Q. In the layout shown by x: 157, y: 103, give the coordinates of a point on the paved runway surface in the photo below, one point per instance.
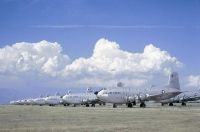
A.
x: 101, y: 118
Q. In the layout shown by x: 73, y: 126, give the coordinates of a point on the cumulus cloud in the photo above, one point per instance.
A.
x: 193, y: 81
x: 110, y: 63
x: 41, y: 57
x: 107, y: 65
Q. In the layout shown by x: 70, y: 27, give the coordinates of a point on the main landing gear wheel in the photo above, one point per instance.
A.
x: 162, y: 104
x: 171, y: 104
x: 134, y: 103
x: 87, y: 105
x: 142, y: 105
x: 114, y: 106
x: 93, y: 105
x: 183, y: 104
x: 129, y: 105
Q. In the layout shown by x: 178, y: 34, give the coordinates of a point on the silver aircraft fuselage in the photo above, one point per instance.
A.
x: 183, y: 97
x: 79, y: 98
x: 128, y: 95
x: 123, y: 95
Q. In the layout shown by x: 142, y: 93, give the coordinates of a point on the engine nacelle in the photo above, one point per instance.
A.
x: 131, y: 99
x: 143, y: 97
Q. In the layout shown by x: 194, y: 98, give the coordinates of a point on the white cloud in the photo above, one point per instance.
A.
x: 108, y: 58
x: 193, y: 81
x: 107, y: 65
x: 42, y: 57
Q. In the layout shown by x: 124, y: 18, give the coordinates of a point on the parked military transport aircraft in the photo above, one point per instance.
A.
x: 39, y: 101
x: 14, y: 102
x: 183, y: 98
x: 53, y: 100
x: 80, y: 98
x: 130, y: 96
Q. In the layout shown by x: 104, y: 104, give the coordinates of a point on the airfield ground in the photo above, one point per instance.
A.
x: 101, y: 118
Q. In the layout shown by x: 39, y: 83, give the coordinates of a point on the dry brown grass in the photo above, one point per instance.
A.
x: 62, y: 119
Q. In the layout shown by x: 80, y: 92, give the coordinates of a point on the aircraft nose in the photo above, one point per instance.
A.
x: 100, y: 93
x: 103, y: 96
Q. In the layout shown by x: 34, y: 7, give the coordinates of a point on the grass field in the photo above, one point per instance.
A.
x: 80, y: 119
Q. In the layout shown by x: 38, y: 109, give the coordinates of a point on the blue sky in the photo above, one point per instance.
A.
x: 171, y: 25
x: 176, y: 24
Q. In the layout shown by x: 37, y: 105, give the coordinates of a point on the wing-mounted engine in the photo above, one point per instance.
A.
x: 142, y: 97
x: 131, y: 99
x: 85, y: 101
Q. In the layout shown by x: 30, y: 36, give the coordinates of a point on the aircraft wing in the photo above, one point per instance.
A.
x: 162, y: 96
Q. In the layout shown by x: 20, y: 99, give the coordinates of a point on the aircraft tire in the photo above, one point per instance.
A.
x: 171, y: 104
x: 183, y: 104
x: 93, y: 105
x: 114, y: 106
x: 129, y: 105
x: 142, y: 105
x: 87, y: 105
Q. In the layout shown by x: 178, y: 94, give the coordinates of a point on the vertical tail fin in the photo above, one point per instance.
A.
x: 57, y: 94
x: 174, y: 80
x: 69, y: 92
